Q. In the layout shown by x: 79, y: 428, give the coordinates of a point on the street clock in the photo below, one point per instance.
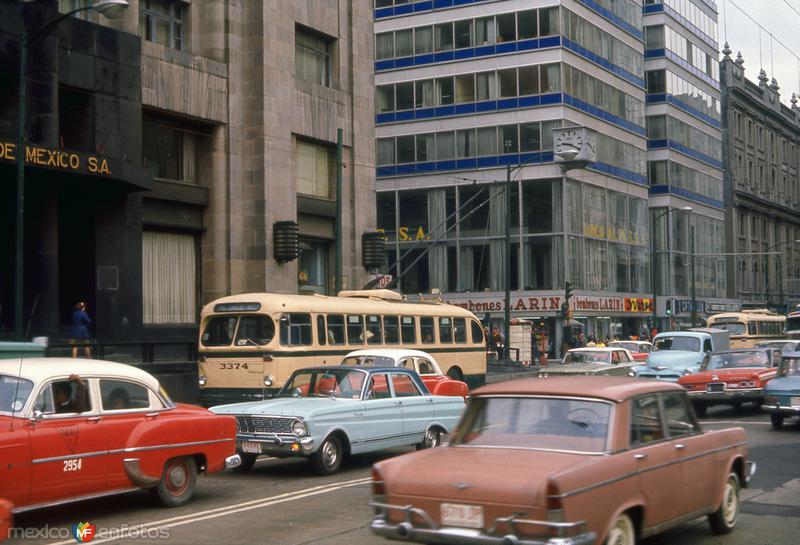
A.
x: 574, y: 147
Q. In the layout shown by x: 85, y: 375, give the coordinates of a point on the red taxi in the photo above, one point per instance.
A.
x: 731, y: 377
x: 100, y: 428
x: 639, y: 349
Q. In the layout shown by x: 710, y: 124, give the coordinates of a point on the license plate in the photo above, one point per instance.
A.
x: 794, y: 401
x: 716, y: 387
x: 465, y: 516
x: 251, y: 447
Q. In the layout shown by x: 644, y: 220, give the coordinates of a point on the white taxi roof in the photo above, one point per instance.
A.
x: 41, y: 369
x: 394, y: 353
x: 594, y: 349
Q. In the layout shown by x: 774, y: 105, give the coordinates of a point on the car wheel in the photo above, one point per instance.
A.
x: 622, y: 532
x: 724, y: 519
x: 328, y: 457
x: 776, y: 420
x: 248, y: 461
x: 700, y: 409
x: 178, y: 481
x: 433, y: 438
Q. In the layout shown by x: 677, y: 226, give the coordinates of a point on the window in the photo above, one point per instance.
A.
x: 312, y: 57
x: 64, y: 397
x: 548, y: 21
x: 161, y: 22
x: 443, y: 37
x: 384, y: 98
x: 425, y: 97
x: 384, y: 45
x: 169, y: 278
x: 526, y: 21
x: 426, y: 328
x: 679, y: 419
x: 313, y: 266
x: 168, y: 153
x: 355, y: 329
x: 509, y: 139
x: 408, y: 330
x: 403, y: 386
x: 378, y: 387
x: 336, y: 329
x: 465, y: 88
x: 405, y: 149
x: 65, y: 6
x: 529, y: 80
x: 321, y: 331
x: 75, y: 119
x: 460, y: 330
x: 118, y: 395
x: 374, y: 330
x: 445, y: 330
x: 295, y: 329
x: 385, y: 151
x: 508, y: 82
x: 391, y: 330
x: 646, y: 420
x: 404, y: 43
x: 530, y: 137
x: 404, y: 95
x: 423, y: 40
x: 506, y: 27
x: 477, y: 332
x: 255, y: 331
x: 316, y: 169
x: 656, y: 81
x: 463, y: 33
x: 219, y: 331
x: 444, y: 91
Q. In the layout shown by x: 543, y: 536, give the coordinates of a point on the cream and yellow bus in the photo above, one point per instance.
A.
x: 251, y: 343
x: 749, y: 326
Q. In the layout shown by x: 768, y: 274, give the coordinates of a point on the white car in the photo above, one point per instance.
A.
x: 593, y: 361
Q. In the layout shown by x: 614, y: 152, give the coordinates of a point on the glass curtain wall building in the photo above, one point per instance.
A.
x: 464, y: 89
x: 684, y: 159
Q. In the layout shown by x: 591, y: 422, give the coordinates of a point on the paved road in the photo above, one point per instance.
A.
x: 281, y: 503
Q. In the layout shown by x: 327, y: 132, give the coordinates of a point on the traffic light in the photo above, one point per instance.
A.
x: 669, y: 307
x: 567, y: 290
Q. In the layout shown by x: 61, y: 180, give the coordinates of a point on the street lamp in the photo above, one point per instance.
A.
x: 653, y: 260
x: 110, y: 9
x: 780, y: 275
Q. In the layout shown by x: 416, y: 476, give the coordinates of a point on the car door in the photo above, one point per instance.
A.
x: 695, y: 450
x: 417, y: 409
x: 382, y: 414
x: 69, y: 451
x: 655, y: 459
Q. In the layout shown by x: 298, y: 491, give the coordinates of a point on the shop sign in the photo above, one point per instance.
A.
x: 638, y: 304
x: 712, y: 307
x: 496, y: 304
x: 406, y: 233
x: 57, y: 159
x: 684, y: 306
x: 599, y: 304
x: 614, y: 235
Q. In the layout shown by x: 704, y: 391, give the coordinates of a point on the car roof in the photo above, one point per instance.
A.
x: 394, y: 353
x: 594, y: 349
x: 383, y: 369
x: 741, y: 351
x: 790, y: 355
x: 609, y: 388
x: 42, y: 369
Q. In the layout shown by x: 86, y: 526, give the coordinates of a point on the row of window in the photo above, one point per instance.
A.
x: 694, y: 14
x: 465, y: 88
x: 663, y: 126
x: 461, y: 144
x: 162, y: 22
x: 690, y: 179
x: 601, y: 43
x: 602, y: 95
x: 663, y: 81
x: 665, y: 37
x: 630, y: 11
x: 621, y: 154
x: 506, y: 27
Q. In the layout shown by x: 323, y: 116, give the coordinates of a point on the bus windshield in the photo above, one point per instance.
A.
x: 687, y: 344
x: 246, y: 330
x: 736, y: 328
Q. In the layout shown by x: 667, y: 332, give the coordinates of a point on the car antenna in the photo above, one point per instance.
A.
x: 16, y: 388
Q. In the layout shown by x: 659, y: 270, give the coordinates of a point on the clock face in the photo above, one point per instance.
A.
x: 571, y: 139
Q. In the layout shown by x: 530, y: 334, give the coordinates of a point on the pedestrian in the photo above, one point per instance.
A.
x: 581, y: 340
x: 592, y: 343
x: 499, y: 342
x: 79, y: 330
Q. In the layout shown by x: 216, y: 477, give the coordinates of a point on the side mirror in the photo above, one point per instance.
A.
x: 37, y: 415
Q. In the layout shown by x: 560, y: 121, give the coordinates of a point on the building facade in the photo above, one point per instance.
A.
x: 762, y: 190
x: 466, y: 89
x: 195, y: 127
x: 684, y: 159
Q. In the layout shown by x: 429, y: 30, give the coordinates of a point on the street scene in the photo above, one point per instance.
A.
x: 464, y: 272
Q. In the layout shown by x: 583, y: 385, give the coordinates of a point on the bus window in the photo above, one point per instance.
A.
x: 445, y: 330
x: 477, y: 332
x: 426, y: 329
x: 336, y: 329
x: 296, y: 329
x: 355, y: 329
x: 408, y: 330
x: 321, y: 332
x: 460, y: 326
x: 255, y: 331
x: 219, y: 331
x: 391, y: 330
x: 374, y: 330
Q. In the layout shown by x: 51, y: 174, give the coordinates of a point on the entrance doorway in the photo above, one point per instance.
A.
x: 76, y: 254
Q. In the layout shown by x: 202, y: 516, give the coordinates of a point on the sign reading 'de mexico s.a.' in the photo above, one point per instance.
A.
x: 56, y: 159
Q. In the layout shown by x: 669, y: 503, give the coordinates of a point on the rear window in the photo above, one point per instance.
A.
x: 687, y: 344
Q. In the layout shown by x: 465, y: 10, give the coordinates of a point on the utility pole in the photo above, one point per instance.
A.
x: 694, y: 287
x: 507, y: 325
x: 339, y: 168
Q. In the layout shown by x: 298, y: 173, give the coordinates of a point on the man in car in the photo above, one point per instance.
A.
x: 62, y: 396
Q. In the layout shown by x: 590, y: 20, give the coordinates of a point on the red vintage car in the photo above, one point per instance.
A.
x: 639, y: 349
x: 100, y: 428
x: 731, y: 377
x: 423, y: 363
x: 565, y: 461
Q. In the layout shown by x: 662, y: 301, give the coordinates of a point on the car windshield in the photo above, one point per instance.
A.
x: 633, y: 347
x: 790, y: 367
x: 736, y: 359
x: 545, y: 423
x: 687, y: 344
x: 587, y: 357
x: 736, y: 328
x: 369, y: 361
x: 14, y: 393
x: 329, y: 382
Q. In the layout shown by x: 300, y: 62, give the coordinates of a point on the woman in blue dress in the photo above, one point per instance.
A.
x: 79, y: 330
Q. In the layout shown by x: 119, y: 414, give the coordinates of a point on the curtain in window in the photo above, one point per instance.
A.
x: 467, y: 271
x: 404, y: 43
x: 314, y: 169
x: 385, y: 151
x: 497, y: 226
x: 486, y: 86
x: 487, y: 141
x: 311, y: 58
x: 384, y: 45
x: 169, y: 284
x: 485, y: 31
x: 445, y: 145
x: 425, y: 97
x: 437, y: 261
x: 189, y: 158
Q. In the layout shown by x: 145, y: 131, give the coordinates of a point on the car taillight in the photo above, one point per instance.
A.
x: 378, y: 486
x: 771, y: 400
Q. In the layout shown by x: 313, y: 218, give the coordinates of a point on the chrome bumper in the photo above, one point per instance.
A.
x: 726, y: 396
x: 779, y: 409
x: 429, y: 532
x: 233, y: 461
x: 749, y: 471
x: 278, y: 445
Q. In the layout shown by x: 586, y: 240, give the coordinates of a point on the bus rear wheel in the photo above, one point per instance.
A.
x: 455, y: 373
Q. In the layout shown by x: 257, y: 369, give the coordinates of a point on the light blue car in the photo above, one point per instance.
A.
x: 782, y: 394
x: 327, y: 413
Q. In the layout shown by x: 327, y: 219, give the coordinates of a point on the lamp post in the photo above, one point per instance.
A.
x: 780, y: 275
x: 111, y: 9
x: 694, y: 286
x: 653, y: 260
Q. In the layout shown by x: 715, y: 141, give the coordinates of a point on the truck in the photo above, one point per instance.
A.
x: 678, y: 353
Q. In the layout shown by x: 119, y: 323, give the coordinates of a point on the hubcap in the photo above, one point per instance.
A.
x: 621, y: 533
x: 431, y: 438
x: 329, y: 454
x: 177, y: 478
x: 730, y: 505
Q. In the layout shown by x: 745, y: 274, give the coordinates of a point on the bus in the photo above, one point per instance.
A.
x: 749, y: 326
x: 251, y: 343
x: 793, y: 324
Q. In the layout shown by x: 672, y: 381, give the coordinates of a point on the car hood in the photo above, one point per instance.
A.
x: 575, y: 368
x: 673, y: 359
x: 725, y: 375
x: 459, y: 474
x: 301, y: 407
x: 787, y: 385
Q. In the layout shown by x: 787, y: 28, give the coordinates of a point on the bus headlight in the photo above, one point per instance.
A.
x: 299, y: 428
x: 202, y: 380
x: 269, y: 380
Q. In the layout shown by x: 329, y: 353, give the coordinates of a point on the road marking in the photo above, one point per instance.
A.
x: 230, y: 509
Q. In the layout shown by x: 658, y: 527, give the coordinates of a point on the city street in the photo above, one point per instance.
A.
x: 281, y: 502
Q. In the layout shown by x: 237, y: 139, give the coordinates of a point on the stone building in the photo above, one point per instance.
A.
x: 216, y: 119
x: 762, y: 188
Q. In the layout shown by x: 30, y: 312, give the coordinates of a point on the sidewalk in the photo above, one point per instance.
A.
x: 496, y: 372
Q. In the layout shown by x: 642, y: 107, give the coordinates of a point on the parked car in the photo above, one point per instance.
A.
x: 423, y: 363
x: 732, y: 377
x: 327, y: 413
x: 569, y: 460
x: 592, y: 361
x: 78, y: 429
x: 639, y: 349
x: 784, y: 345
x: 678, y: 353
x: 782, y: 394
